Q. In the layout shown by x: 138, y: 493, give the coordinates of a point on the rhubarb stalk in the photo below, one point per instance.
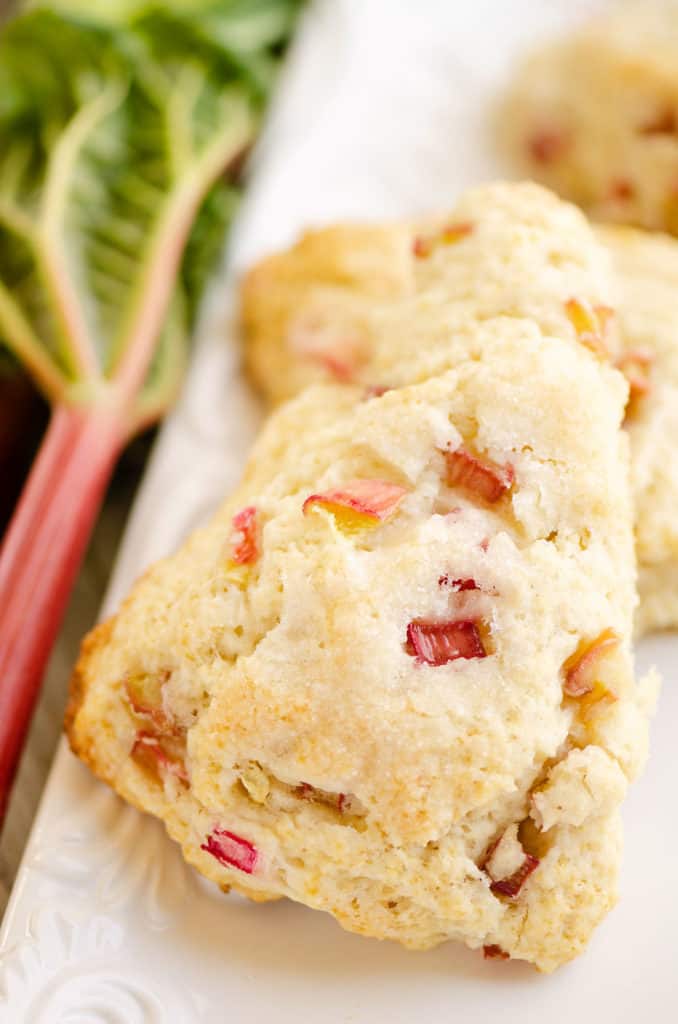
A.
x: 39, y: 560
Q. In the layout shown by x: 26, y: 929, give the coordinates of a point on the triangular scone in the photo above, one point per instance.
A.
x: 381, y: 305
x: 595, y: 115
x: 647, y: 268
x: 392, y: 679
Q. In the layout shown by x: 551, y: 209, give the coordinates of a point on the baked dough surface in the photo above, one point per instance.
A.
x: 384, y: 305
x: 372, y: 710
x: 646, y: 265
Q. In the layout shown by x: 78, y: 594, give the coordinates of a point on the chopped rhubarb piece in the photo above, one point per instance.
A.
x: 154, y: 714
x: 145, y: 697
x: 621, y: 189
x: 590, y: 324
x: 359, y: 504
x: 452, y: 233
x: 341, y: 369
x: 422, y: 247
x: 581, y: 668
x: 580, y: 317
x: 457, y: 585
x: 507, y: 864
x: 635, y: 365
x: 495, y: 952
x: 482, y: 477
x: 511, y: 886
x: 345, y: 803
x: 231, y: 850
x: 597, y: 695
x: 437, y: 643
x: 545, y: 146
x: 375, y: 391
x: 246, y: 544
x: 149, y: 752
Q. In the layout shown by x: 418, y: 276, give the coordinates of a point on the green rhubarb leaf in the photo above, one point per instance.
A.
x: 206, y: 243
x: 120, y: 149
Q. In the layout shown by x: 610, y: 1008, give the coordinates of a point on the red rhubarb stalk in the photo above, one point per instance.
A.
x: 40, y: 557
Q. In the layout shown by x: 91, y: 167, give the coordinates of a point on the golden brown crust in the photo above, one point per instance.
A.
x: 96, y: 639
x: 343, y: 268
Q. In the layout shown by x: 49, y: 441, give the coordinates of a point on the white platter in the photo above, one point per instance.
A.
x: 382, y: 112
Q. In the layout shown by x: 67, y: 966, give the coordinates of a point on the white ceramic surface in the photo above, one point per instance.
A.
x: 383, y: 111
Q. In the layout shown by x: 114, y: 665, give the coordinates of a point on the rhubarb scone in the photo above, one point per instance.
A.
x: 647, y: 267
x: 380, y: 305
x: 595, y: 116
x: 388, y: 305
x: 392, y: 679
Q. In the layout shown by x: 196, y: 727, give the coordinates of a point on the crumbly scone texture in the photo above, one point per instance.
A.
x: 279, y: 717
x: 383, y: 305
x: 595, y: 116
x: 646, y: 265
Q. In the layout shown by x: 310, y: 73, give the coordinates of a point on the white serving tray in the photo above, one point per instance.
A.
x: 382, y: 112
